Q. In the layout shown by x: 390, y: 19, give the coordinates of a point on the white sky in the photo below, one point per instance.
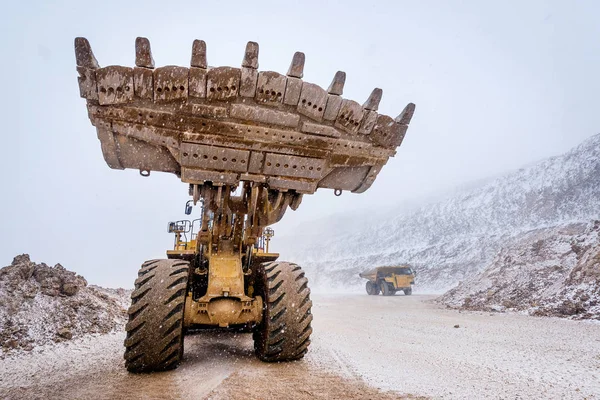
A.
x: 497, y: 85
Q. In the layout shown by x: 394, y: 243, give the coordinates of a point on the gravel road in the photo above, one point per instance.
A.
x: 363, y: 347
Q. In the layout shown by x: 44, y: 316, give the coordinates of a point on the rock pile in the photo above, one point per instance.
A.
x: 40, y: 304
x: 547, y: 272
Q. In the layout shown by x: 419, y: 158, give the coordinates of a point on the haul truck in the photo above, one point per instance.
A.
x: 389, y: 280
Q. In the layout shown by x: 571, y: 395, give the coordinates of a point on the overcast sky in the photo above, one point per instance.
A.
x: 497, y: 85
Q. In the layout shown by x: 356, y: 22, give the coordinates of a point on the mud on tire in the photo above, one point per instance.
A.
x: 284, y: 333
x: 155, y: 329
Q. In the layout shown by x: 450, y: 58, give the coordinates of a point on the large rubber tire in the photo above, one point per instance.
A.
x: 284, y: 332
x: 376, y: 289
x: 407, y: 291
x: 370, y: 289
x: 155, y: 329
x: 385, y: 289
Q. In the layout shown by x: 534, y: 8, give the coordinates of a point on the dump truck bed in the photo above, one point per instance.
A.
x: 373, y: 274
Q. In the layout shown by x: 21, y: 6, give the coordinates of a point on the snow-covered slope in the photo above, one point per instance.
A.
x: 454, y: 238
x: 550, y: 271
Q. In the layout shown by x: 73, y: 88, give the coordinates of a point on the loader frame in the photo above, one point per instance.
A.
x: 230, y: 228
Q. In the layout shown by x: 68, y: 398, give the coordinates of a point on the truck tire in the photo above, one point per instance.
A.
x: 370, y: 288
x: 376, y: 289
x: 385, y: 289
x: 407, y: 291
x: 155, y: 329
x: 284, y: 332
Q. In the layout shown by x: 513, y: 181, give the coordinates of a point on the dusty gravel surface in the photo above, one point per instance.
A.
x: 363, y: 347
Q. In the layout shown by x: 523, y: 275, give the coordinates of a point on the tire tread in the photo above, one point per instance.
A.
x: 284, y: 334
x: 155, y: 329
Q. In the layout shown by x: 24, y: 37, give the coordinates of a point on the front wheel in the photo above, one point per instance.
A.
x: 284, y: 332
x: 407, y: 291
x: 155, y: 329
x: 386, y: 290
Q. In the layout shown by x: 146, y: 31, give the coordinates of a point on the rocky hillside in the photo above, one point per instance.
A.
x: 551, y: 271
x: 40, y: 304
x: 452, y: 239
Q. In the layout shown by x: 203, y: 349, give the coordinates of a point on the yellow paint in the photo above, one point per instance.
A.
x: 400, y: 281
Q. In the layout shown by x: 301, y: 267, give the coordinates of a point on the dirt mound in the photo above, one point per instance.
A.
x: 552, y: 272
x: 40, y: 304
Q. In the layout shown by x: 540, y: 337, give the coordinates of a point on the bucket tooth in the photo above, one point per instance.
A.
x: 296, y: 69
x: 337, y: 85
x: 84, y: 55
x: 143, y: 54
x: 199, y: 54
x: 198, y: 72
x: 372, y: 102
x: 406, y: 114
x: 249, y: 73
x: 251, y: 56
x: 86, y: 67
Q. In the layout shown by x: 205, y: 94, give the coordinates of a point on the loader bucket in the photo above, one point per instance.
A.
x: 224, y: 125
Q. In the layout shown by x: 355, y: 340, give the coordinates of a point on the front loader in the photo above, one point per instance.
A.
x: 249, y: 145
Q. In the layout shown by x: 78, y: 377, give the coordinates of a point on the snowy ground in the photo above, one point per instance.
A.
x: 410, y: 345
x: 363, y: 347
